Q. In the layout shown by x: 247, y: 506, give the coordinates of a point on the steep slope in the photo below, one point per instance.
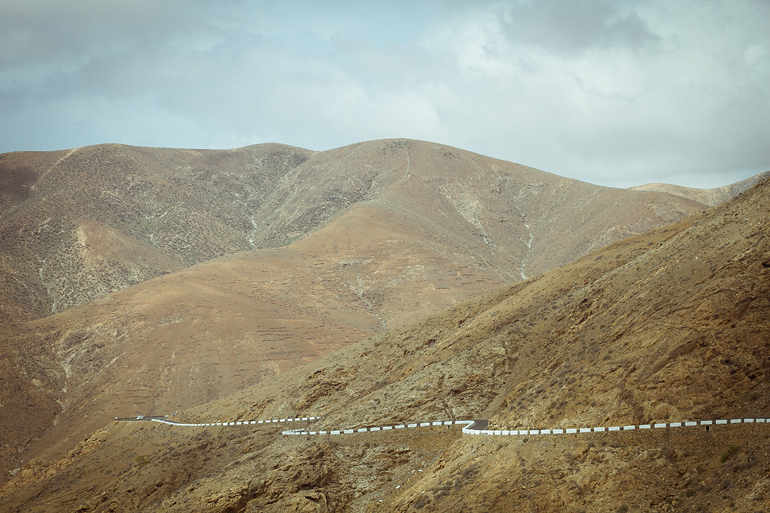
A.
x: 517, y: 220
x: 671, y: 325
x: 78, y: 224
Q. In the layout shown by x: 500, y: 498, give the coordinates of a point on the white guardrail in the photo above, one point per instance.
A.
x: 470, y: 426
x: 568, y: 431
x: 234, y: 423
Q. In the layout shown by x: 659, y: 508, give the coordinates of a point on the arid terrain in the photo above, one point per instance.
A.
x: 78, y: 224
x: 179, y: 276
x: 414, y: 282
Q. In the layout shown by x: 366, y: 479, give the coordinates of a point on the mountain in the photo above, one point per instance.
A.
x: 710, y: 197
x: 670, y: 325
x: 78, y: 224
x: 136, y: 252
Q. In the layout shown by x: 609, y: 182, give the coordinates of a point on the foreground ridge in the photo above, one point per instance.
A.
x: 472, y: 427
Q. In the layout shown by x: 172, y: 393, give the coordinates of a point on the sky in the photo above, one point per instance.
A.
x: 617, y: 92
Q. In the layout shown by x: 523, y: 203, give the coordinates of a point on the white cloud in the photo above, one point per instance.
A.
x: 668, y: 99
x: 608, y: 92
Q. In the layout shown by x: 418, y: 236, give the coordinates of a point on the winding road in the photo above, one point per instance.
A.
x: 472, y: 427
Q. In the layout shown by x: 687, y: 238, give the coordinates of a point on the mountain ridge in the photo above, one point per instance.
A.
x: 173, y: 208
x: 710, y: 197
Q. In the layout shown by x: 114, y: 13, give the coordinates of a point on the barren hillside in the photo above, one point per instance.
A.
x: 78, y: 224
x: 121, y: 242
x: 671, y: 325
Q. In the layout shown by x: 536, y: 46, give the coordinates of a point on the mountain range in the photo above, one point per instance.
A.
x: 380, y: 282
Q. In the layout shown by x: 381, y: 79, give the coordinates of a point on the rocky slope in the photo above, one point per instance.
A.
x: 670, y: 325
x: 354, y: 240
x: 78, y: 224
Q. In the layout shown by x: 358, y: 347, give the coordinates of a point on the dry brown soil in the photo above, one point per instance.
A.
x: 671, y: 325
x: 180, y: 276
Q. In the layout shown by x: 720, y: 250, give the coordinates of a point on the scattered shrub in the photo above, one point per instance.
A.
x: 730, y: 453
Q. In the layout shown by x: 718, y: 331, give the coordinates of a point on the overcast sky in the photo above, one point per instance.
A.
x: 616, y: 93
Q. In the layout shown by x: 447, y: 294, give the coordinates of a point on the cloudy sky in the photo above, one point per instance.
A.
x: 616, y: 93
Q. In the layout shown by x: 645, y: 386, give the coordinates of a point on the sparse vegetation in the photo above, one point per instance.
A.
x: 730, y: 453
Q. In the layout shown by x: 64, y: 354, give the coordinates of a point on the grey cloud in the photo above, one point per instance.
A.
x: 569, y: 26
x: 57, y: 29
x: 571, y: 88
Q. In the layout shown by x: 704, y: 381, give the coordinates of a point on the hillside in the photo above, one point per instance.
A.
x: 670, y: 325
x: 710, y: 197
x: 78, y: 224
x: 339, y: 245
